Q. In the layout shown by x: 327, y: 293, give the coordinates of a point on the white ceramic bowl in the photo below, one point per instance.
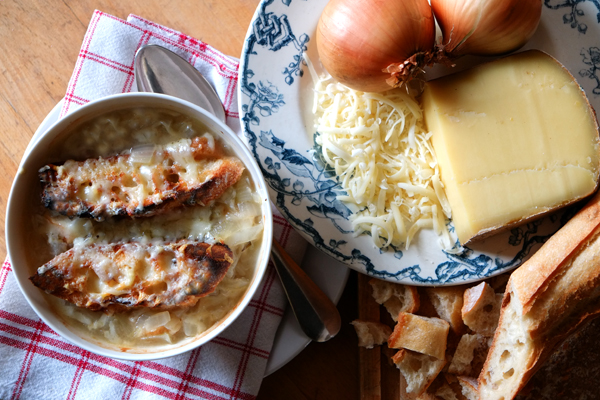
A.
x: 27, y: 179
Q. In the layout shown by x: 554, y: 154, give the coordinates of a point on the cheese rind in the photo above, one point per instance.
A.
x: 514, y: 138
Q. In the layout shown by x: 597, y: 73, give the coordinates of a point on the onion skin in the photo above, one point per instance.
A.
x: 485, y: 27
x: 358, y: 39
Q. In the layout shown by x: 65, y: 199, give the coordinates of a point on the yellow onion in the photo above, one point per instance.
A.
x: 369, y: 45
x: 485, y: 27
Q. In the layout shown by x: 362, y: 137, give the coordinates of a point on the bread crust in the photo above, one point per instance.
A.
x: 469, y: 387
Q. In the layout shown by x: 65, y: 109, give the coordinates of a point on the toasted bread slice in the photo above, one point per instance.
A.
x: 187, y: 172
x: 123, y: 276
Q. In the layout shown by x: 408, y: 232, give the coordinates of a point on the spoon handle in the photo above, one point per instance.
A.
x: 316, y: 313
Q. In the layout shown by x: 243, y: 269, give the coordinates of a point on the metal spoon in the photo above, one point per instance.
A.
x: 159, y: 70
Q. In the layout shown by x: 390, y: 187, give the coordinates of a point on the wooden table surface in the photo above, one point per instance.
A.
x: 39, y: 43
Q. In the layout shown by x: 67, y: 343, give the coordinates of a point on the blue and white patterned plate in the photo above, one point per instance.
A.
x: 275, y: 110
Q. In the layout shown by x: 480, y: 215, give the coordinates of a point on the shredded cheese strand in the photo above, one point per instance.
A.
x: 384, y: 161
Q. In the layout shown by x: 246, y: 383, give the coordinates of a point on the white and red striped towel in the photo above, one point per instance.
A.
x: 38, y: 364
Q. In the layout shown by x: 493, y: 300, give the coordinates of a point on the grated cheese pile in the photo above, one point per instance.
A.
x: 384, y: 161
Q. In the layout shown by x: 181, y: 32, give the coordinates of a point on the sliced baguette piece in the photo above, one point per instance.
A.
x: 421, y: 334
x: 481, y: 309
x: 371, y: 333
x: 448, y: 302
x: 546, y: 299
x: 419, y: 370
x: 395, y: 297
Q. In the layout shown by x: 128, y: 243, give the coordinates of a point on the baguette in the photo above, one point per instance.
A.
x: 445, y: 392
x: 546, y: 299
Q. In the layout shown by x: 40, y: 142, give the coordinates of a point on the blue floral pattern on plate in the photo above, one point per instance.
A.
x: 275, y: 109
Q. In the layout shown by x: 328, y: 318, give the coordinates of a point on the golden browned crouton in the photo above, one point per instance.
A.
x: 187, y: 172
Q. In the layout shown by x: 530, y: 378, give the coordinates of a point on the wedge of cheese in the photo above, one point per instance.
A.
x: 515, y: 138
